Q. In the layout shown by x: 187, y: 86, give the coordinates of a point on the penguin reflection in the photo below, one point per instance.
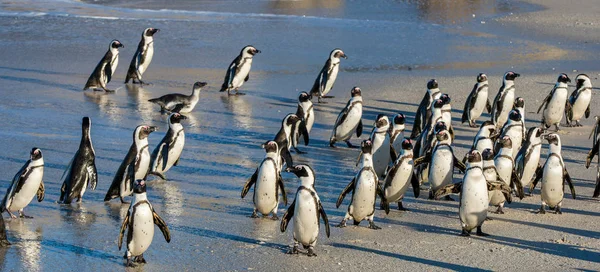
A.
x: 30, y: 243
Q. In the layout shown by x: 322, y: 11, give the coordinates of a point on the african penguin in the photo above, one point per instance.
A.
x: 326, y: 78
x: 105, y: 69
x: 554, y: 103
x: 179, y: 103
x: 3, y: 241
x: 579, y: 101
x: 142, y: 57
x: 382, y: 151
x: 504, y: 100
x: 26, y: 184
x: 349, y: 120
x: 239, y: 70
x: 520, y: 107
x: 399, y: 176
x: 484, y: 138
x: 513, y: 129
x: 489, y: 167
x: 81, y: 171
x: 168, y: 151
x: 397, y: 131
x: 592, y: 153
x: 504, y: 164
x: 305, y: 110
x: 424, y: 110
x: 292, y: 127
x: 447, y: 113
x: 527, y: 162
x: 477, y: 101
x: 299, y: 131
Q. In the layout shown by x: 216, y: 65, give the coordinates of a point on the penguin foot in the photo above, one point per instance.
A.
x: 123, y: 201
x: 328, y: 96
x: 356, y: 223
x: 542, y: 210
x: 294, y: 250
x: 298, y: 151
x: 311, y: 252
x: 25, y: 216
x: 139, y: 259
x: 163, y: 177
x: 448, y: 198
x: 4, y: 243
x: 465, y: 233
x: 373, y: 226
x: 332, y: 144
x: 577, y: 124
x: 481, y: 233
x: 430, y: 195
x: 11, y: 215
x: 130, y: 263
x: 557, y: 210
x: 401, y: 208
x: 274, y: 217
x: 473, y: 125
x: 557, y: 129
x: 239, y: 93
x: 109, y: 90
x: 350, y: 145
x: 254, y: 215
x: 320, y: 100
x: 342, y: 224
x: 499, y: 210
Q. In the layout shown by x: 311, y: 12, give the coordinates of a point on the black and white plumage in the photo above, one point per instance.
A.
x: 105, y: 69
x: 424, y: 111
x: 142, y: 57
x: 397, y: 131
x: 400, y: 176
x: 3, y: 240
x: 25, y: 185
x: 484, y: 139
x: 592, y: 153
x: 527, y: 162
x: 326, y: 78
x: 305, y: 110
x: 520, y: 107
x: 292, y: 127
x: 505, y: 168
x: 180, y: 103
x: 238, y: 71
x: 135, y: 165
x: 81, y: 171
x: 504, y: 100
x: 477, y: 101
x: 555, y: 103
x: 383, y: 152
x: 579, y: 101
x: 514, y: 130
x: 168, y: 151
x: 349, y: 120
x: 139, y: 222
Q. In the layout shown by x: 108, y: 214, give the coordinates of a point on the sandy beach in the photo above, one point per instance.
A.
x: 51, y: 47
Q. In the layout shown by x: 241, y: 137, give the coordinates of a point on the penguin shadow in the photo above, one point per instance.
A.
x: 77, y: 214
x: 45, y: 83
x: 116, y: 211
x: 214, y: 234
x: 59, y: 248
x: 28, y: 243
x: 573, y: 231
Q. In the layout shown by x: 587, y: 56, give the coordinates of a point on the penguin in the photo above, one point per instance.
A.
x: 299, y: 131
x: 592, y: 153
x: 513, y: 129
x: 287, y: 137
x: 424, y: 111
x: 349, y: 120
x: 520, y: 107
x: 305, y: 110
x: 81, y: 171
x: 306, y: 210
x: 490, y: 173
x: 267, y: 183
x: 326, y: 78
x: 477, y: 101
x: 26, y: 184
x: 382, y: 151
x: 473, y: 191
x: 441, y: 162
x: 399, y: 176
x: 142, y: 57
x: 484, y: 139
x: 180, y: 103
x: 579, y: 101
x: 553, y: 176
x: 426, y: 147
x: 527, y: 163
x: 139, y: 222
x: 425, y: 139
x: 397, y: 131
x: 505, y: 169
x: 239, y: 70
x: 135, y: 165
x: 554, y: 103
x: 504, y: 100
x: 365, y: 188
x: 168, y: 151
x: 3, y: 240
x: 447, y: 113
x: 105, y: 69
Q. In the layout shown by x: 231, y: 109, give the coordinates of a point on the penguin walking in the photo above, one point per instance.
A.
x: 142, y: 57
x: 299, y: 131
x: 267, y: 183
x: 527, y: 163
x: 168, y: 151
x: 305, y: 110
x: 26, y: 184
x: 426, y: 138
x: 239, y: 70
x: 504, y: 164
x: 179, y: 103
x: 306, y: 210
x: 105, y: 69
x: 484, y: 139
x: 553, y: 176
x: 397, y: 131
x: 473, y: 191
x: 514, y: 130
x: 135, y: 165
x: 424, y: 111
x: 287, y: 137
x: 447, y: 113
x: 399, y: 176
x: 425, y: 146
x: 139, y: 222
x: 490, y: 173
x: 554, y: 104
x: 81, y: 171
x: 504, y: 100
x: 592, y: 153
x: 477, y: 101
x: 520, y: 107
x: 383, y: 152
x: 365, y: 188
x: 326, y: 78
x: 579, y: 101
x: 349, y: 120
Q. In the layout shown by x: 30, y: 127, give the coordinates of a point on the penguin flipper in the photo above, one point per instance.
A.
x: 41, y: 192
x: 285, y: 153
x: 359, y: 128
x: 349, y: 188
x: 164, y: 155
x: 454, y: 188
x: 384, y: 203
x: 422, y: 160
x: 393, y: 153
x: 458, y: 164
x: 414, y: 182
x: 282, y: 188
x: 468, y: 104
x: 587, y: 111
x: 515, y: 182
x: 160, y: 223
x: 501, y: 186
x: 569, y: 181
x: 287, y: 216
x: 488, y: 106
x: 249, y: 183
x: 591, y: 154
x: 123, y: 227
x: 247, y: 77
x: 229, y: 75
x: 304, y: 132
x: 538, y: 175
x: 548, y: 97
x: 92, y: 173
x: 596, y: 189
x: 324, y: 216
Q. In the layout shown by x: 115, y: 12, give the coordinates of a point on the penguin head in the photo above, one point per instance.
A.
x: 439, y: 126
x: 505, y: 142
x: 139, y: 187
x: 553, y: 139
x: 291, y: 119
x: 407, y: 145
x: 438, y: 103
x: 481, y: 78
x: 519, y: 102
x: 514, y: 115
x: 510, y: 75
x: 304, y: 171
x: 366, y: 146
x: 432, y: 84
x: 86, y: 123
x: 488, y: 154
x: 175, y: 118
x: 249, y: 51
x: 399, y: 119
x: 474, y: 156
x: 337, y: 53
x: 142, y: 132
x: 488, y: 125
x: 583, y: 80
x: 115, y: 44
x: 442, y: 135
x: 149, y: 32
x: 304, y: 96
x: 563, y: 78
x: 35, y: 154
x: 355, y: 92
x: 199, y: 85
x: 382, y: 121
x: 270, y: 147
x: 445, y: 98
x: 534, y: 133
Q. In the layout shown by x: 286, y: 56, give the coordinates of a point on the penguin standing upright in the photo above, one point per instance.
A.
x: 142, y: 57
x: 490, y: 173
x: 397, y: 131
x: 349, y: 120
x: 592, y: 153
x: 26, y: 184
x: 555, y: 103
x: 168, y: 151
x: 105, y: 69
x: 503, y: 103
x: 477, y: 101
x: 326, y: 78
x: 180, y: 103
x: 484, y: 138
x: 135, y: 165
x: 447, y: 113
x: 81, y: 171
x: 239, y: 70
x: 382, y: 150
x: 579, y: 101
x: 365, y: 188
x: 553, y: 176
x: 520, y: 107
x: 426, y: 138
x: 514, y: 130
x: 528, y: 158
x: 504, y: 164
x: 305, y: 110
x: 299, y: 131
x: 292, y: 127
x: 399, y: 176
x: 139, y: 222
x: 424, y: 111
x: 267, y: 183
x: 306, y: 210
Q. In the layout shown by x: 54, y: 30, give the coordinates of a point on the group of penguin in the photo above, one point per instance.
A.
x: 503, y: 159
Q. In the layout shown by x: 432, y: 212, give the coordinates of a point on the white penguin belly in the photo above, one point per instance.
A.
x: 310, y: 120
x: 238, y: 79
x: 556, y: 107
x: 381, y: 153
x: 345, y: 130
x: 21, y: 199
x: 479, y: 106
x: 581, y: 104
x: 143, y: 230
x: 306, y: 218
x: 396, y: 190
x: 441, y: 167
x: 484, y: 144
x: 144, y: 165
x: 397, y: 144
x: 474, y: 200
x: 189, y: 107
x: 331, y: 79
x: 174, y: 153
x: 504, y: 170
x: 363, y: 200
x: 509, y: 100
x: 552, y: 182
x: 530, y: 166
x: 516, y: 136
x: 114, y: 64
x: 265, y: 189
x: 149, y: 54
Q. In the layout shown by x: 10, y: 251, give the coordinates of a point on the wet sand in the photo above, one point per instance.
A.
x: 47, y: 58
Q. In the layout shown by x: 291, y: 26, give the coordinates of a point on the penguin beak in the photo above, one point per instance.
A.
x: 517, y: 75
x: 152, y: 128
x: 256, y: 51
x: 344, y: 56
x: 182, y: 117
